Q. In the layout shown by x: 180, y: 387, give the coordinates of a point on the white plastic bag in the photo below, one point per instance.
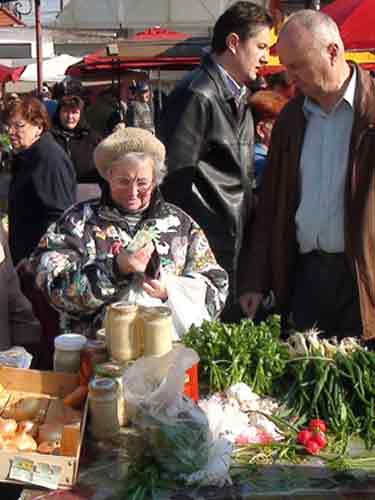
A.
x: 16, y: 357
x: 187, y: 301
x: 176, y: 428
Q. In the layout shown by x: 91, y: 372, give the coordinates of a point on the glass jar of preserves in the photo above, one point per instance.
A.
x: 103, y: 408
x: 157, y: 332
x: 122, y: 329
x: 67, y: 355
x: 115, y: 372
x: 94, y: 353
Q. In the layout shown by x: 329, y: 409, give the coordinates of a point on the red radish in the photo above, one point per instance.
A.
x: 312, y: 447
x: 317, y: 424
x: 304, y: 436
x: 320, y: 439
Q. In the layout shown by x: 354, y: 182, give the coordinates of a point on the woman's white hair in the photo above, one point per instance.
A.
x: 158, y: 166
x: 322, y: 28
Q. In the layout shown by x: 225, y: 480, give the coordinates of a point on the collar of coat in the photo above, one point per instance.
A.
x: 218, y: 77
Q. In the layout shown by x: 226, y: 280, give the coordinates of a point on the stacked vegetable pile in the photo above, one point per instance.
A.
x: 313, y: 377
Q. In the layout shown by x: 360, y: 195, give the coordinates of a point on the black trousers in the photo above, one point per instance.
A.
x: 325, y: 295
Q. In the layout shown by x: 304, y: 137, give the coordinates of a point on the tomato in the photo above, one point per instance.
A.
x: 317, y: 425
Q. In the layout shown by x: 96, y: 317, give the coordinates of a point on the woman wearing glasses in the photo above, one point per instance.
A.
x: 123, y: 246
x: 43, y: 183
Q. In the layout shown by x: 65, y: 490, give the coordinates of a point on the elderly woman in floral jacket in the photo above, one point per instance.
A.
x: 125, y: 246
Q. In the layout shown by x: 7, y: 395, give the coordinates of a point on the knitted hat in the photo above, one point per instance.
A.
x: 126, y: 140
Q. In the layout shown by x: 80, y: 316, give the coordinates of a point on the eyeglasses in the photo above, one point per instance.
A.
x: 15, y: 126
x: 142, y: 185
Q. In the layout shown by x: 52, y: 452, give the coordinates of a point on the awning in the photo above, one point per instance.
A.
x: 9, y: 74
x: 53, y: 69
x: 356, y: 21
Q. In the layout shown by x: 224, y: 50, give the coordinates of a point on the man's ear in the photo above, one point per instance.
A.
x: 333, y: 51
x: 232, y: 41
x: 259, y: 129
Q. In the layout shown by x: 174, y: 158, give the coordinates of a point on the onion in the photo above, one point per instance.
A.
x: 8, y: 427
x: 48, y: 447
x: 26, y: 409
x: 23, y: 442
x: 50, y: 432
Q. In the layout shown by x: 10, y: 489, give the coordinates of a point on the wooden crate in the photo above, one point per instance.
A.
x: 51, y: 387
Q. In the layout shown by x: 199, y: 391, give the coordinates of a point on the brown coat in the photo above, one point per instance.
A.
x: 18, y: 325
x: 268, y: 255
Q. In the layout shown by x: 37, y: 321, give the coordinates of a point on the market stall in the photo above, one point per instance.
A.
x: 294, y: 419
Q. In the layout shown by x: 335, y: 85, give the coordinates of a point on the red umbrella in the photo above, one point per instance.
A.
x: 156, y: 34
x: 8, y: 74
x: 356, y: 21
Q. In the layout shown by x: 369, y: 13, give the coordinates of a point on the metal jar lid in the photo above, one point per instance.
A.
x: 102, y: 387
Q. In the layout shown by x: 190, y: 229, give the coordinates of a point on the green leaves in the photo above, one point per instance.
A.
x: 244, y: 352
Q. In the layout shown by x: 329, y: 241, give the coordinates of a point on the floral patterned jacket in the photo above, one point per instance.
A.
x: 75, y: 261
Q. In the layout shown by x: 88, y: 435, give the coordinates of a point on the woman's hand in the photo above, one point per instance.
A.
x: 135, y: 262
x: 155, y: 288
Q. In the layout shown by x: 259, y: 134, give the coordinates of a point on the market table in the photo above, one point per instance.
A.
x: 103, y: 463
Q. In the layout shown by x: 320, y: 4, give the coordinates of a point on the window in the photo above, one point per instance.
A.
x: 15, y: 50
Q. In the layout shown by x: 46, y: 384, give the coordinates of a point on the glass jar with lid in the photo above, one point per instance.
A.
x: 94, y: 353
x: 115, y: 372
x: 103, y: 408
x: 122, y: 332
x: 67, y: 355
x: 157, y: 333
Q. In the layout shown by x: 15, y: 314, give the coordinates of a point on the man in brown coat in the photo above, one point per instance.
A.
x: 313, y: 239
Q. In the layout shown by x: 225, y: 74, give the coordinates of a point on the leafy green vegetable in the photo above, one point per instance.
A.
x: 244, y: 352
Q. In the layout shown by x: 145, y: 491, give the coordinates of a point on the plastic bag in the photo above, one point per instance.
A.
x: 187, y: 300
x: 176, y: 428
x: 16, y: 357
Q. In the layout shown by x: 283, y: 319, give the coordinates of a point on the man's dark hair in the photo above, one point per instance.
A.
x: 245, y: 19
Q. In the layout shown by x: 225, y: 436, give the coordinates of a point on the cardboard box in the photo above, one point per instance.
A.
x: 51, y: 471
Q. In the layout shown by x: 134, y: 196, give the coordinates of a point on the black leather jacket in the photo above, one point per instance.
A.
x: 209, y: 141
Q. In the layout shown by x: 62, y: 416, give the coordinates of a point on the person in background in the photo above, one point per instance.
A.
x: 100, y: 114
x: 43, y: 183
x: 140, y: 110
x: 89, y: 258
x: 46, y: 98
x: 18, y: 325
x: 313, y: 237
x: 118, y: 115
x: 207, y: 128
x: 278, y: 82
x: 73, y: 133
x: 265, y: 106
x: 259, y: 84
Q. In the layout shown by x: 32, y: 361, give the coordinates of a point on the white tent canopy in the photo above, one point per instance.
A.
x: 180, y: 15
x: 53, y: 69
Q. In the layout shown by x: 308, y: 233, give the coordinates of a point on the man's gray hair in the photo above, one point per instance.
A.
x: 159, y: 167
x: 320, y: 26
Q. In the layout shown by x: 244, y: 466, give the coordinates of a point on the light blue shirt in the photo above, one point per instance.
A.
x: 323, y: 167
x: 237, y: 90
